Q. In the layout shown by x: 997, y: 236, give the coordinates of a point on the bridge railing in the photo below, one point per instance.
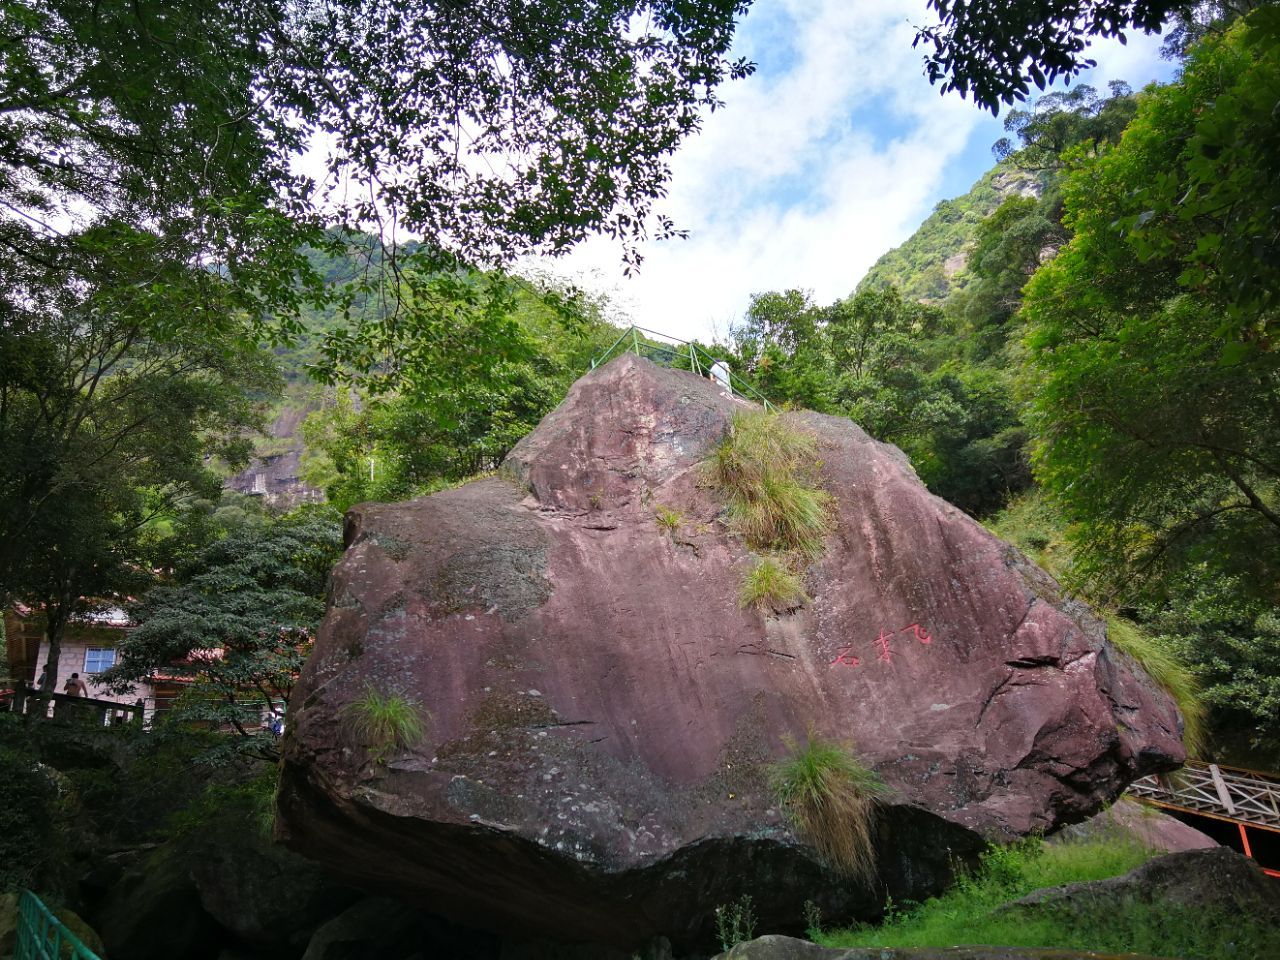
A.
x: 42, y: 936
x: 44, y: 704
x: 1228, y: 793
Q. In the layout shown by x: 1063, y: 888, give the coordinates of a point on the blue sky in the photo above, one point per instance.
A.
x: 831, y: 154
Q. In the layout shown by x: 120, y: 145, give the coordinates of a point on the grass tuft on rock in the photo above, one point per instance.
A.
x: 771, y: 586
x: 1166, y: 669
x: 668, y: 519
x: 383, y: 722
x: 770, y: 471
x: 831, y: 798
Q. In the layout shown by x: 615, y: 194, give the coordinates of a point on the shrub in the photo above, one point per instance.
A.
x: 831, y: 799
x: 383, y: 722
x: 28, y: 821
x: 769, y: 470
x: 771, y: 585
x: 1164, y: 667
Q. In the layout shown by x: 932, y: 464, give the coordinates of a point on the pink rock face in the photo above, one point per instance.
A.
x: 601, y: 714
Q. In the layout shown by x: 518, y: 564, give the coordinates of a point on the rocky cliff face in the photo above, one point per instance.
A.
x: 600, y: 713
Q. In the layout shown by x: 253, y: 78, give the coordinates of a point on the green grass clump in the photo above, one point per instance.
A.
x: 667, y: 518
x: 831, y: 798
x: 770, y: 472
x: 1167, y: 670
x: 383, y: 722
x: 969, y: 913
x: 771, y: 585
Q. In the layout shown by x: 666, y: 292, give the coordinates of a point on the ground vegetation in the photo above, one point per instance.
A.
x: 975, y: 911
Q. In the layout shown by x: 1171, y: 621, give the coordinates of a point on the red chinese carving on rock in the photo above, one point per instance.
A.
x: 882, y: 644
x: 846, y: 658
x: 921, y: 633
x: 884, y: 651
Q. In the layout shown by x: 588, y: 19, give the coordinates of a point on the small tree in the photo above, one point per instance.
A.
x: 236, y: 625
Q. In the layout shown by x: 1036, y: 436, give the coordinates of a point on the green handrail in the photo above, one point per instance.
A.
x: 697, y: 357
x: 42, y: 936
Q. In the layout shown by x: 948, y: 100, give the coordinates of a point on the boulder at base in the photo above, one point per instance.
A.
x: 787, y: 948
x: 600, y: 712
x: 1211, y: 883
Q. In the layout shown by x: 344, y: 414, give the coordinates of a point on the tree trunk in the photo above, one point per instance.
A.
x: 55, y: 623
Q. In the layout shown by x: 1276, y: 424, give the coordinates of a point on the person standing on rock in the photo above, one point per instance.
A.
x: 720, y: 376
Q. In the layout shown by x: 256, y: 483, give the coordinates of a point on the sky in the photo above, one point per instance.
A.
x: 832, y: 153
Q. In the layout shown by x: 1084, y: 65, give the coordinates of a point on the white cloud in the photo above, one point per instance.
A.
x: 831, y: 154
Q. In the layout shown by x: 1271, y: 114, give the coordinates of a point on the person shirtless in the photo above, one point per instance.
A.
x: 75, y: 687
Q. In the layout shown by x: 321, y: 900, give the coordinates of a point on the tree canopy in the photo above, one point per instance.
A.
x: 996, y: 49
x: 1154, y: 383
x: 160, y: 217
x: 488, y: 128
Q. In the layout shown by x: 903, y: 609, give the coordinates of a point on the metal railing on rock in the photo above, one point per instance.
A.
x: 42, y: 936
x: 674, y: 352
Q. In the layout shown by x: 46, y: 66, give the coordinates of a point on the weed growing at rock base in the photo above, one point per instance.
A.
x: 1164, y: 667
x: 812, y: 920
x: 771, y: 586
x: 383, y: 722
x: 769, y: 470
x: 969, y: 913
x: 831, y: 798
x: 736, y: 922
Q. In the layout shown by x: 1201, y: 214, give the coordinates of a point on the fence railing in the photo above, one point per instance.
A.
x: 673, y: 351
x: 42, y: 936
x: 47, y: 705
x: 1227, y: 793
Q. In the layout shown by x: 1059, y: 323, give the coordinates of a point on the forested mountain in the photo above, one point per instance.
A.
x: 930, y: 264
x: 475, y: 361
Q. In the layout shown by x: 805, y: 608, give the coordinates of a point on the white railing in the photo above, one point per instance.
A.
x: 1229, y: 793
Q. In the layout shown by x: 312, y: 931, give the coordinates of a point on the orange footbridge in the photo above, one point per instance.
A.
x: 1249, y: 799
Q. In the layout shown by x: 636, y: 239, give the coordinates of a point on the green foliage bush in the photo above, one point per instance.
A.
x: 28, y: 802
x: 771, y: 585
x: 831, y: 798
x: 769, y: 468
x: 244, y: 801
x: 383, y: 722
x: 968, y: 914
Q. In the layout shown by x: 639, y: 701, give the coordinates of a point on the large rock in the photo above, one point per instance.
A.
x: 1213, y: 883
x: 263, y: 895
x: 601, y: 713
x: 1129, y: 821
x: 8, y: 923
x: 154, y: 913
